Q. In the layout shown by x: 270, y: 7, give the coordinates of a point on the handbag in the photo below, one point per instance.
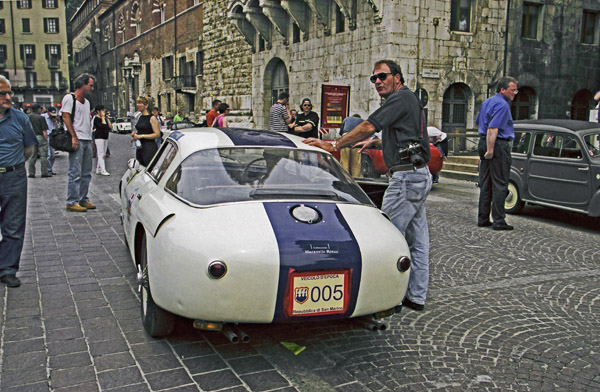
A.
x: 60, y: 138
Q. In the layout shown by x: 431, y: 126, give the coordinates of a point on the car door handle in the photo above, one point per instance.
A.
x: 584, y: 168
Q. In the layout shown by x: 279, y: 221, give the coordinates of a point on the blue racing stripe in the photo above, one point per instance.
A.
x: 296, y: 240
x: 246, y: 137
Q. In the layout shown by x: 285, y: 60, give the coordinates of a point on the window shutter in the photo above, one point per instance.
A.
x: 47, y: 47
x: 44, y: 4
x: 22, y: 51
x: 33, y: 51
x: 58, y: 51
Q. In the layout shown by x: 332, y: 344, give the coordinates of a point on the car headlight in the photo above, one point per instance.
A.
x: 403, y: 264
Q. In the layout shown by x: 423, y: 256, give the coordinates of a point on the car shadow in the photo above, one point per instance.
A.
x: 558, y: 217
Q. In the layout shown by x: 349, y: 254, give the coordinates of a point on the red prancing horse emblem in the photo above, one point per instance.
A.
x: 301, y: 294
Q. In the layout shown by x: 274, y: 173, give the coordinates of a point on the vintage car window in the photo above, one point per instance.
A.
x: 163, y: 160
x: 592, y: 143
x: 521, y: 142
x: 240, y: 174
x: 557, y: 145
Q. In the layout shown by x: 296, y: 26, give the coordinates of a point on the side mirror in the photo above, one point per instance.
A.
x: 133, y: 164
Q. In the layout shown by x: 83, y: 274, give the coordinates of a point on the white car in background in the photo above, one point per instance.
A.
x: 242, y: 226
x: 122, y: 125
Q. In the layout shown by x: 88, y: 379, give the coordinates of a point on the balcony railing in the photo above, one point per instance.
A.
x: 184, y: 82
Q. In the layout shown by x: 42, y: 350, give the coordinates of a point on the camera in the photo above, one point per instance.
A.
x: 414, y: 154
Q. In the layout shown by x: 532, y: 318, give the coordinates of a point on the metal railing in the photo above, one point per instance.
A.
x: 463, y: 141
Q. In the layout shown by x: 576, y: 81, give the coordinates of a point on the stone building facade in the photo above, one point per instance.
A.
x: 33, y: 50
x: 86, y: 40
x: 452, y: 51
x: 153, y: 49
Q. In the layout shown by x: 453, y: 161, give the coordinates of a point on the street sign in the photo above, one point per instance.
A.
x: 421, y: 93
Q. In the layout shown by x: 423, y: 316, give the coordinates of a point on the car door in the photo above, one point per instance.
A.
x: 144, y: 184
x: 558, y: 171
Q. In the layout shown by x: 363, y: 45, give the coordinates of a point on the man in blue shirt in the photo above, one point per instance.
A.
x: 17, y: 142
x: 495, y: 133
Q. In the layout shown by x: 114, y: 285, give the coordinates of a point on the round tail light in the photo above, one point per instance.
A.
x: 217, y: 269
x: 403, y: 264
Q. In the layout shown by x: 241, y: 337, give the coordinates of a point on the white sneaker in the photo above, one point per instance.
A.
x: 98, y: 171
x: 105, y: 173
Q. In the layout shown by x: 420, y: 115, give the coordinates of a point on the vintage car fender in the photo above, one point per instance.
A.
x: 517, y: 178
x: 151, y: 213
x: 594, y: 206
x: 251, y: 290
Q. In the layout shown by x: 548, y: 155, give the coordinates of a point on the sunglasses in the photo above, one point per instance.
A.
x: 9, y: 92
x: 381, y: 76
x: 307, y: 104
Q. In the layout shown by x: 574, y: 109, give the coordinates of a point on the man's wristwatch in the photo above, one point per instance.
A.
x: 334, y: 144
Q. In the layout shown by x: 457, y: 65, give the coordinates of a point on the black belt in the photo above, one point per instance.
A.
x: 497, y: 138
x: 11, y: 168
x: 407, y: 167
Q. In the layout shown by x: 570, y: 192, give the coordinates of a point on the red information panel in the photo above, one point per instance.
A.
x: 317, y: 293
x: 334, y: 105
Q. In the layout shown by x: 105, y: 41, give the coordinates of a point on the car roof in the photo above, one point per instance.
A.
x: 567, y: 125
x: 194, y: 139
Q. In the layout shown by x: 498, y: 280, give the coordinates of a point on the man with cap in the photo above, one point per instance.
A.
x: 50, y: 117
x: 40, y: 128
x: 307, y: 122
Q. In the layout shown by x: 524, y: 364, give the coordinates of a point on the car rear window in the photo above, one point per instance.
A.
x: 241, y: 174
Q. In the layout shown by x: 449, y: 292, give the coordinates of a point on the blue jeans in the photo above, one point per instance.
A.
x: 13, y: 209
x: 404, y: 203
x: 80, y: 173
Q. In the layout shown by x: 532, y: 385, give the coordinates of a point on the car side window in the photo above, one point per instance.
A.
x: 521, y: 142
x: 163, y: 160
x: 592, y: 142
x: 550, y: 144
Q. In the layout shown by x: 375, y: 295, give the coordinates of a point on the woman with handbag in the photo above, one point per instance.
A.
x: 146, y: 131
x: 101, y: 127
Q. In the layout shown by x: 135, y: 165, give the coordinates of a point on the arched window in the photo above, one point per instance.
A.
x: 581, y: 104
x: 523, y: 106
x: 280, y: 81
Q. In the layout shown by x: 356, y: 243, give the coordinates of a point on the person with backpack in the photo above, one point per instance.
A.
x: 75, y: 112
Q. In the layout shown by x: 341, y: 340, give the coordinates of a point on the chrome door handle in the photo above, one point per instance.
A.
x: 584, y: 168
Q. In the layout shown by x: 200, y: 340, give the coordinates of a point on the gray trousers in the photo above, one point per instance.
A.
x: 42, y: 149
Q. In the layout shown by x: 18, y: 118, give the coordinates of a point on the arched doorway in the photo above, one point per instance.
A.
x: 274, y: 82
x: 524, y: 104
x: 581, y: 104
x: 454, y: 112
x: 280, y: 81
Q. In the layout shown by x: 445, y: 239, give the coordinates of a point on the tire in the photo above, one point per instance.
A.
x: 157, y: 321
x: 513, y: 203
x: 367, y: 170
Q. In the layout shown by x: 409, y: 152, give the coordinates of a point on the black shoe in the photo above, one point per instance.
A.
x: 410, y: 304
x: 10, y: 280
x: 502, y: 226
x: 46, y: 175
x: 31, y: 176
x: 52, y: 173
x: 484, y: 224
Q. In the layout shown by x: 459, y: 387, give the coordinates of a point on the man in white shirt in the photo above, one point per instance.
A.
x: 79, y: 126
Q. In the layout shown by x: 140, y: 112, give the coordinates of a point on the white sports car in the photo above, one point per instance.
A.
x: 241, y: 226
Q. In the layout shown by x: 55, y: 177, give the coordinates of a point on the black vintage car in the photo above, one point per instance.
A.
x: 555, y: 163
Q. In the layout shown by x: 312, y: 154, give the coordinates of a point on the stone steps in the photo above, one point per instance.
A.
x: 461, y: 168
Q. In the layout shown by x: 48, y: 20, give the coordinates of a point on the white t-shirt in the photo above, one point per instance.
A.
x: 82, y: 122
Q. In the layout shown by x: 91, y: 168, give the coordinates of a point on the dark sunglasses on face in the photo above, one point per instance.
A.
x: 381, y: 76
x: 9, y: 92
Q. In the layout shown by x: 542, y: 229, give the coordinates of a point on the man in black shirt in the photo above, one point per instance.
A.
x: 403, y: 125
x: 307, y: 122
x: 40, y: 128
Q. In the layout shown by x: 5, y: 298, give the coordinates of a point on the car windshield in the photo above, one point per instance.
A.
x: 241, y: 174
x: 592, y: 143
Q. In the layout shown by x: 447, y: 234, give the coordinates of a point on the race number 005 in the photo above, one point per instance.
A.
x: 325, y: 293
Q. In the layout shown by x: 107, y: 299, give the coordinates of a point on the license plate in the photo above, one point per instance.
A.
x: 317, y: 293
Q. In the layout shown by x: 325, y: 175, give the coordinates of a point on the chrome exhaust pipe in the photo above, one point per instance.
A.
x: 243, y: 335
x: 230, y: 334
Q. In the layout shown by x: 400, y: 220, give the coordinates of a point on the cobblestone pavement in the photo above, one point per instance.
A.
x: 506, y: 311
